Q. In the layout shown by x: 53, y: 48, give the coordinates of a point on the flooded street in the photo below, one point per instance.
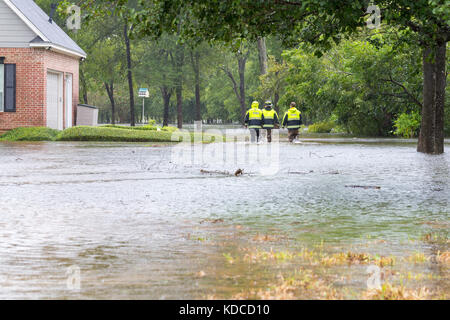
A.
x: 136, y: 225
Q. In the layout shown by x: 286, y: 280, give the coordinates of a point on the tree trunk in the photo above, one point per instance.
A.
x: 263, y: 62
x: 242, y: 61
x: 130, y: 74
x: 195, y: 59
x: 441, y: 83
x: 179, y: 94
x: 179, y: 83
x: 110, y: 91
x: 275, y: 102
x: 166, y: 94
x: 431, y: 137
x: 83, y: 87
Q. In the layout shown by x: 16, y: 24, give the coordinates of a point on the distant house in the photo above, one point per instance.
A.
x: 39, y: 69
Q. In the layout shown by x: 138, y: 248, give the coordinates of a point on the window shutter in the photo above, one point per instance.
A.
x: 10, y: 87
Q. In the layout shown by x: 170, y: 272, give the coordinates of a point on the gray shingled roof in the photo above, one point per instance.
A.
x: 51, y: 31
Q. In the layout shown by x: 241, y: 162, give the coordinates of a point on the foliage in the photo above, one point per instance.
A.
x: 147, y: 127
x: 169, y: 129
x: 407, y: 125
x: 30, y: 134
x: 272, y: 85
x: 316, y: 21
x: 364, y: 82
x: 322, y: 127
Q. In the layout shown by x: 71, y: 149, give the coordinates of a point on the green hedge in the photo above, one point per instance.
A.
x: 30, y: 134
x: 151, y: 128
x: 82, y: 133
x: 113, y: 134
x: 147, y: 127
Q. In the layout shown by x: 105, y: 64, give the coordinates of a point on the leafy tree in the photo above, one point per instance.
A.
x: 318, y: 22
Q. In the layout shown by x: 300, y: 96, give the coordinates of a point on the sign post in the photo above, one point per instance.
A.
x: 143, y: 93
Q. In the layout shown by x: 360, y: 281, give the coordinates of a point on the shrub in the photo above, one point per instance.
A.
x: 146, y: 127
x: 170, y: 129
x: 407, y: 125
x: 112, y: 134
x: 322, y: 127
x: 149, y: 127
x: 115, y: 135
x: 30, y: 134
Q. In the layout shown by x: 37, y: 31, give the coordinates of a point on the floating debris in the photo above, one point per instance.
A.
x: 390, y: 292
x: 301, y: 172
x: 213, y: 221
x: 364, y: 187
x: 443, y: 257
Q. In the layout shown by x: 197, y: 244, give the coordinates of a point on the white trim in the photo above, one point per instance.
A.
x: 68, y: 101
x: 25, y: 19
x: 57, y: 48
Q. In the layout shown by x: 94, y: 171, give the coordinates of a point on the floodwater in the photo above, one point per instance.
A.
x: 112, y: 220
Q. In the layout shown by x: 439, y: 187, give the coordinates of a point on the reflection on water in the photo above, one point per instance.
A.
x: 126, y: 216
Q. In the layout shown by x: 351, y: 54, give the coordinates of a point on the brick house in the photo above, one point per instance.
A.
x: 39, y: 69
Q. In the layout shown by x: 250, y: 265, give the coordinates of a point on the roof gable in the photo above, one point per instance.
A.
x: 49, y: 34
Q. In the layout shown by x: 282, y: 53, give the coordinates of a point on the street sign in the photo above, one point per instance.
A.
x: 143, y: 93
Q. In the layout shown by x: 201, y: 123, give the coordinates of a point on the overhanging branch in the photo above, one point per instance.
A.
x: 405, y: 90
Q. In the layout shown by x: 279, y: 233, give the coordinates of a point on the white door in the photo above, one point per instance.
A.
x: 69, y: 101
x: 54, y: 101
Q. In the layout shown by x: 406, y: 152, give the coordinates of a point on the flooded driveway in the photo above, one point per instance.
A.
x: 126, y: 222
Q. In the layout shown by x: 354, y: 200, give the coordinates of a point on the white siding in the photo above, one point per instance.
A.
x: 14, y: 33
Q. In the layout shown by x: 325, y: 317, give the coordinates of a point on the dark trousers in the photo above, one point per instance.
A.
x: 292, y: 134
x: 269, y: 135
x: 254, y: 135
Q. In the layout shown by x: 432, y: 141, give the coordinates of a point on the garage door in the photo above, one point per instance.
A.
x: 54, y: 101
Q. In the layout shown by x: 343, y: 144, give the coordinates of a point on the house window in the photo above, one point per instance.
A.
x: 7, y: 87
x: 2, y: 87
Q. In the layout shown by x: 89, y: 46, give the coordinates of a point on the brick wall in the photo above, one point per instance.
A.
x: 30, y: 88
x: 31, y: 94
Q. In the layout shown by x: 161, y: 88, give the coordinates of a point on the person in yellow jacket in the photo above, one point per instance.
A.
x: 270, y: 119
x: 253, y: 120
x: 292, y: 120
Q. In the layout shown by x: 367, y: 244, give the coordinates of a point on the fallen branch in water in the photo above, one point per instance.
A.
x: 332, y: 172
x: 301, y: 172
x: 364, y: 187
x: 225, y: 173
x: 239, y: 172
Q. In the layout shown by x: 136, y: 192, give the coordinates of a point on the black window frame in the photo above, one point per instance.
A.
x: 10, y: 89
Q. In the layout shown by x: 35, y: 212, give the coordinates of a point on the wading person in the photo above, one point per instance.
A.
x: 270, y: 119
x: 292, y: 120
x: 253, y: 120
